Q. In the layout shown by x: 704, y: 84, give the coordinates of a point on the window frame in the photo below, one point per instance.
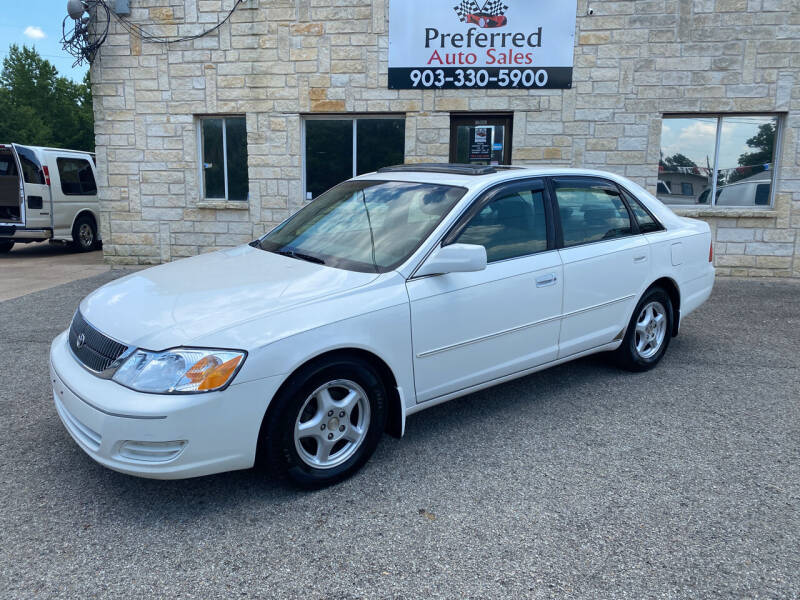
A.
x: 779, y: 117
x: 354, y: 117
x: 202, y: 172
x: 492, y: 194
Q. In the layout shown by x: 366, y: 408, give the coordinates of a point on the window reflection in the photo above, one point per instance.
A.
x: 745, y: 164
x: 687, y: 159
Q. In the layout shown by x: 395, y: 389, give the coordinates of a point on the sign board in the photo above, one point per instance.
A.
x: 480, y: 148
x: 483, y: 44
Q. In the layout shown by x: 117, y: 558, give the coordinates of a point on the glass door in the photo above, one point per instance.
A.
x: 480, y: 139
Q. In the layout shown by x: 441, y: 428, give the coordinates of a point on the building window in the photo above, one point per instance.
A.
x: 223, y: 158
x: 718, y: 160
x: 338, y: 148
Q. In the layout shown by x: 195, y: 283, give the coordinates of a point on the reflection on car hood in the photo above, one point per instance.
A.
x: 180, y: 302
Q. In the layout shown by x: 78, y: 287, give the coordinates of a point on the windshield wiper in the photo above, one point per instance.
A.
x: 300, y: 256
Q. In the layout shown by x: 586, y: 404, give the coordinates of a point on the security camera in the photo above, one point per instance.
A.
x: 590, y: 12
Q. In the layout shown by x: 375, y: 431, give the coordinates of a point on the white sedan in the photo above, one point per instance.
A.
x: 388, y: 294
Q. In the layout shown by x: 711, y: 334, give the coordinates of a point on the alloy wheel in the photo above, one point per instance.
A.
x: 651, y: 329
x: 332, y: 424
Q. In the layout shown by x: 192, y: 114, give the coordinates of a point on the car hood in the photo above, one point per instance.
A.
x: 178, y: 303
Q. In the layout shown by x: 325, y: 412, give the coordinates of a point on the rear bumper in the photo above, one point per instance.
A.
x: 158, y: 436
x: 20, y: 233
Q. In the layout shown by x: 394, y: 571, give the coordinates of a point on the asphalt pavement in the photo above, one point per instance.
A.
x: 577, y: 482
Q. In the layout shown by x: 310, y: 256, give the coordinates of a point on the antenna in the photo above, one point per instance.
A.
x: 75, y: 9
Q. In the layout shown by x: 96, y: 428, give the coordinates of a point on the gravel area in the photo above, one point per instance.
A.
x: 579, y: 482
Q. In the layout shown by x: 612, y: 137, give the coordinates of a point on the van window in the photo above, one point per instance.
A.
x: 762, y: 194
x: 76, y: 177
x: 8, y: 166
x: 31, y: 169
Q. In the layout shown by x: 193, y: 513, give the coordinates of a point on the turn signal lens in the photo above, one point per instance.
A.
x: 711, y: 252
x: 218, y: 375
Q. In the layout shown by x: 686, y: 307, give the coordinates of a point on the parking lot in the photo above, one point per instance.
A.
x: 38, y: 266
x: 577, y: 482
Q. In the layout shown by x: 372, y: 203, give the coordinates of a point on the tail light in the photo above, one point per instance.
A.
x: 46, y: 175
x: 711, y: 252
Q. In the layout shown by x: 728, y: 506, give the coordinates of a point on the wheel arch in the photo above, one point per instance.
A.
x: 90, y: 213
x: 670, y: 286
x: 395, y: 421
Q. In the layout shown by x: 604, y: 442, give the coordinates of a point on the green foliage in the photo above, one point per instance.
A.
x: 677, y: 160
x: 764, y: 143
x: 40, y: 108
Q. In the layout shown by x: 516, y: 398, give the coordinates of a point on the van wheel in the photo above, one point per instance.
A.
x: 84, y: 234
x: 325, y: 423
x: 5, y: 247
x: 649, y: 332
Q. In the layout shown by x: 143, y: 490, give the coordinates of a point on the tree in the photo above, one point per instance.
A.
x: 764, y: 143
x: 677, y: 160
x: 41, y: 108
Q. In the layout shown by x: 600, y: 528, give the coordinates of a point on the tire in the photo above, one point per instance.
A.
x: 325, y: 423
x: 84, y: 234
x: 649, y: 332
x: 6, y: 246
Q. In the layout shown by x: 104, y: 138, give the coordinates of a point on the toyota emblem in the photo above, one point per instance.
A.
x: 80, y: 341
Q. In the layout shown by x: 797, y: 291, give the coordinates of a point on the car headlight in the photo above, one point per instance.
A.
x: 179, y: 371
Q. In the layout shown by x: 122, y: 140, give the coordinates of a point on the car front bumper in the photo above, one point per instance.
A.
x: 158, y: 436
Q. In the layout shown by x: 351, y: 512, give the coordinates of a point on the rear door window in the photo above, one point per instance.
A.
x: 31, y: 168
x: 591, y: 210
x: 77, y: 178
x: 647, y: 223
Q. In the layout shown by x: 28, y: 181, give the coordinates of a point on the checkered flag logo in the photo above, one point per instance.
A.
x: 467, y: 7
x: 494, y: 8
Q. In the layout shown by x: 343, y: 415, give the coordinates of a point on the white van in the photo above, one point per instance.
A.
x: 47, y: 194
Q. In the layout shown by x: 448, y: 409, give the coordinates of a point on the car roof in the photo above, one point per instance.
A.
x: 455, y: 177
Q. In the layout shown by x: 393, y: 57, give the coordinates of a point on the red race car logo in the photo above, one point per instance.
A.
x: 491, y: 14
x: 484, y: 20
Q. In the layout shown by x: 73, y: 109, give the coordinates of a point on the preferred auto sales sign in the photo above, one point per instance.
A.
x: 484, y: 44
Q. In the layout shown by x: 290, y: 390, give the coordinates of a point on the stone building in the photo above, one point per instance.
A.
x: 207, y: 143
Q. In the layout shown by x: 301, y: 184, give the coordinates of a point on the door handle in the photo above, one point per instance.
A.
x: 639, y: 259
x: 546, y: 280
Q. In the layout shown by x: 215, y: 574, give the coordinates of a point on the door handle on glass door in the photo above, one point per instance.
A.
x: 545, y: 280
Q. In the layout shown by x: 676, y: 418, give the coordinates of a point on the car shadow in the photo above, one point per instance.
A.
x: 43, y: 250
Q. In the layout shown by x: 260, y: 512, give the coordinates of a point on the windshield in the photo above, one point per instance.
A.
x: 369, y: 226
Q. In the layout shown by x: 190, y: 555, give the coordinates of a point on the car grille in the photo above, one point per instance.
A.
x: 95, y: 350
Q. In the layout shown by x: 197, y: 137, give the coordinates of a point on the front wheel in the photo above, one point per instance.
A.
x: 325, y: 423
x: 649, y: 332
x: 6, y: 246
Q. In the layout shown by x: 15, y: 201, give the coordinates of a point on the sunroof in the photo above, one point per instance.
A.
x: 452, y: 169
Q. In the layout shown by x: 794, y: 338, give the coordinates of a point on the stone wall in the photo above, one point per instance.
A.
x: 278, y: 59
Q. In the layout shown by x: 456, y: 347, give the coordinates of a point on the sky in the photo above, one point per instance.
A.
x: 37, y: 23
x: 696, y: 138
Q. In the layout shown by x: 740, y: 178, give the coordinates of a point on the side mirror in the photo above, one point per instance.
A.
x: 455, y: 258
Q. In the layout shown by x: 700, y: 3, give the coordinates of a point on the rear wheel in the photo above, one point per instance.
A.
x: 325, y: 423
x: 6, y: 246
x: 649, y: 332
x: 84, y: 233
